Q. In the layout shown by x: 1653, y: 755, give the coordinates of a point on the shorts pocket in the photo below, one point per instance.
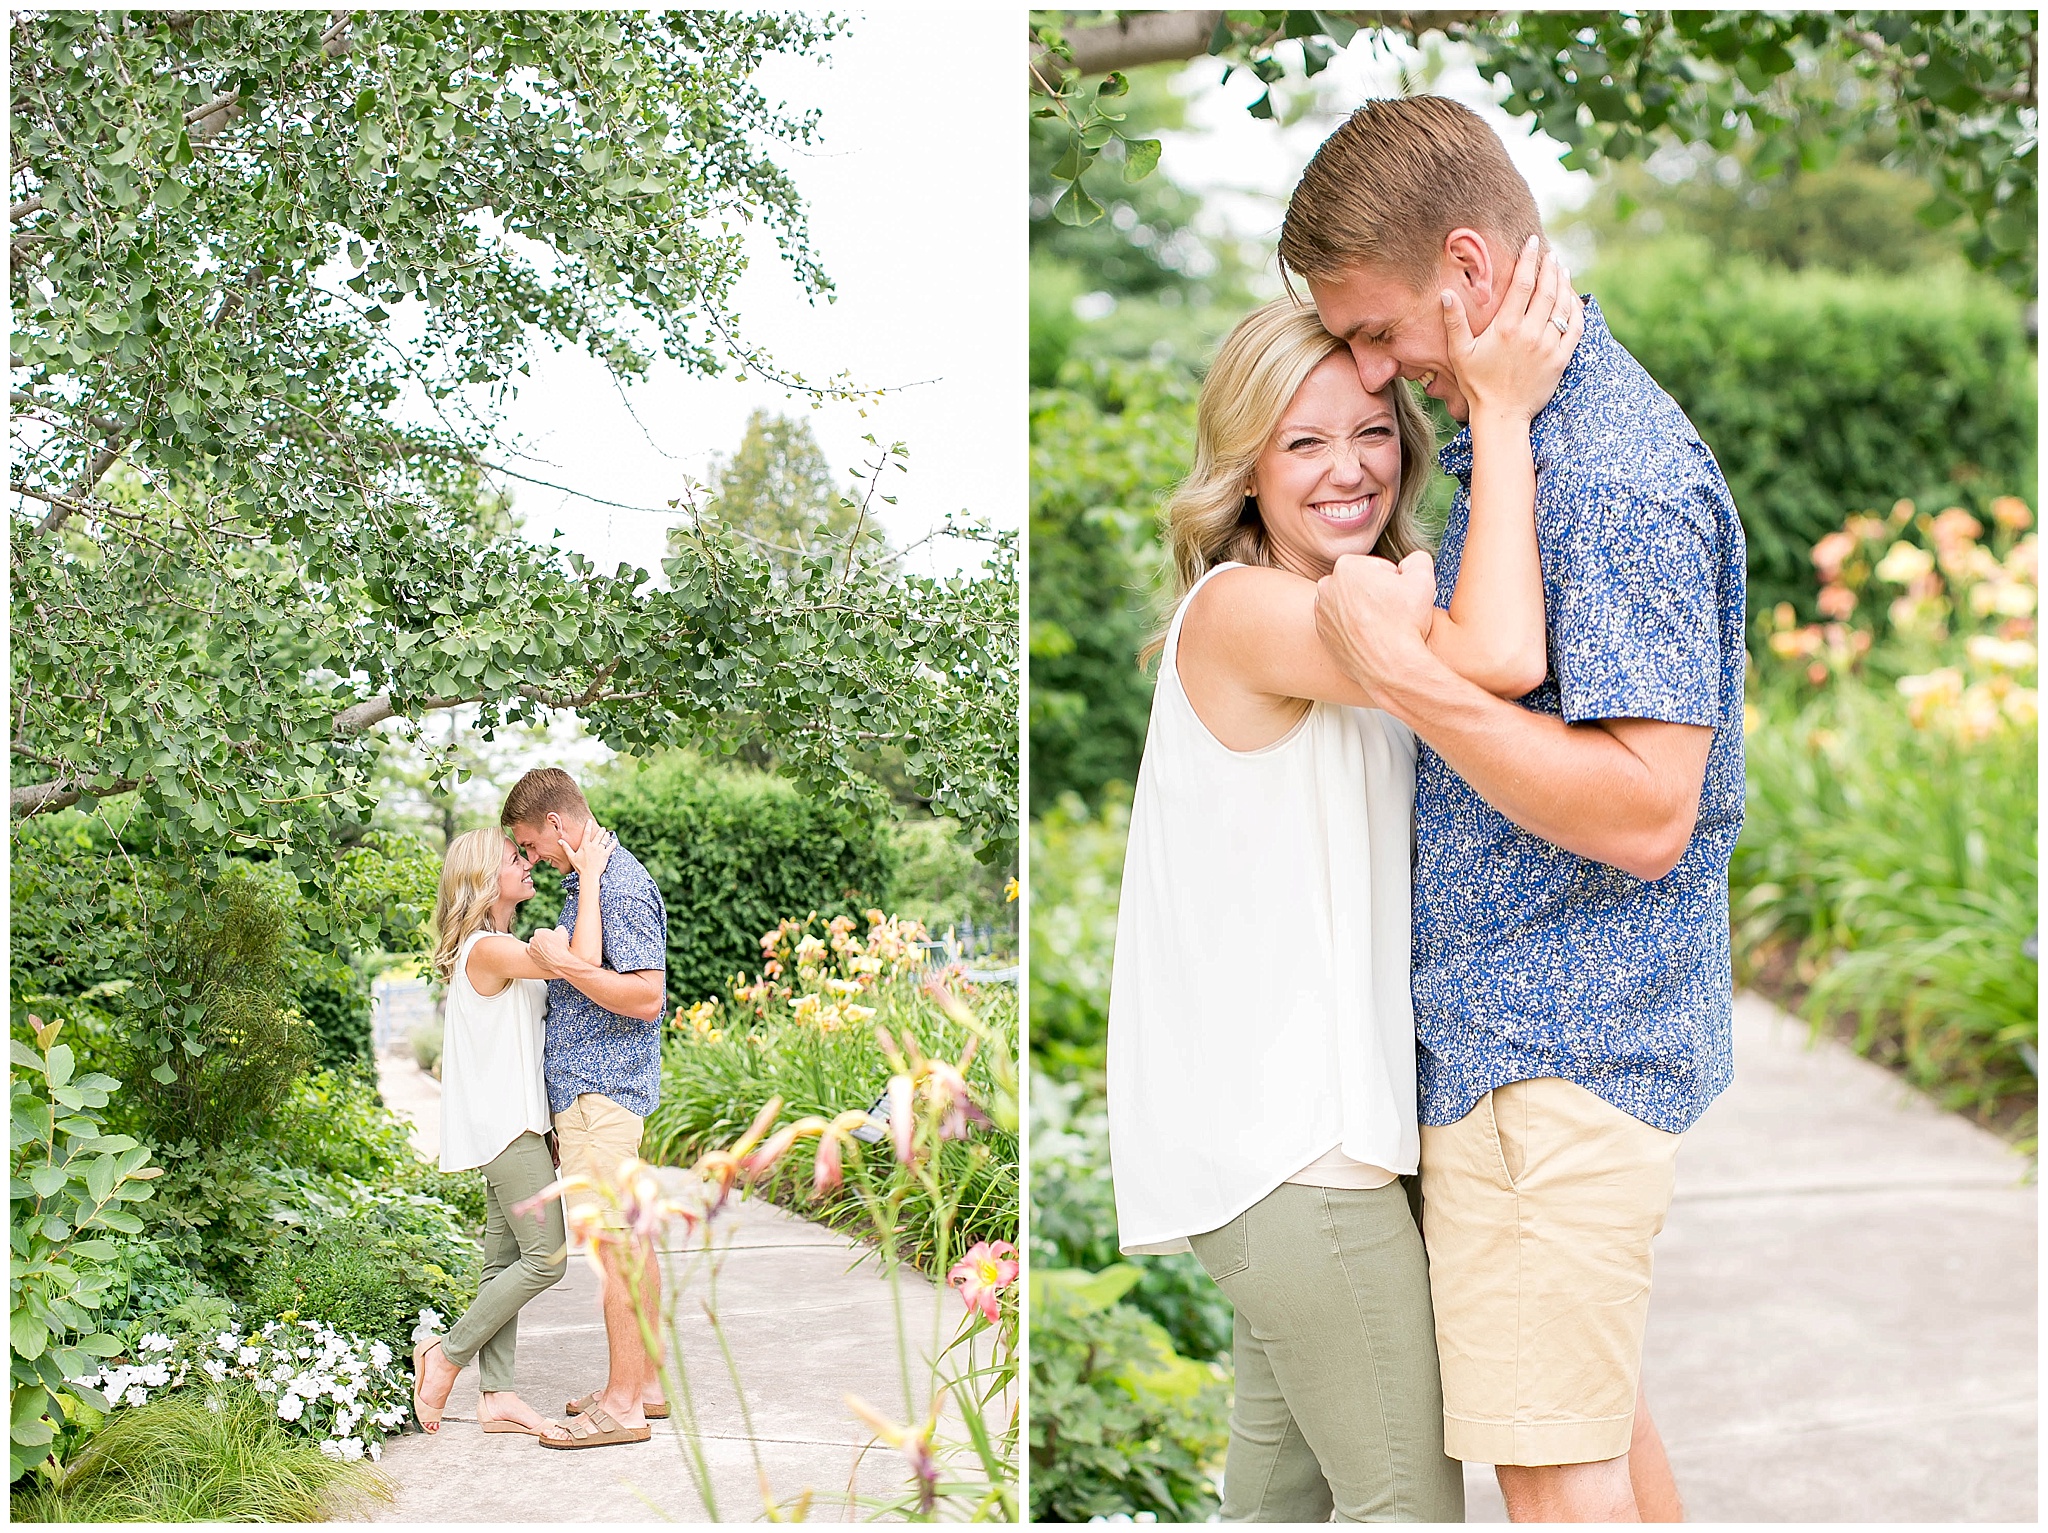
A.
x: 1226, y: 1251
x: 1509, y: 1131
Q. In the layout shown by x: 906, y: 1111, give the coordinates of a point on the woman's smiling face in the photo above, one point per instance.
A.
x: 1328, y: 476
x: 515, y: 876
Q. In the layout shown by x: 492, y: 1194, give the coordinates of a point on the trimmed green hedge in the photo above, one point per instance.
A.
x: 733, y: 852
x: 1823, y: 394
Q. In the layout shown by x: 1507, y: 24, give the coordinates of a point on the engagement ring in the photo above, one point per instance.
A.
x: 1561, y: 325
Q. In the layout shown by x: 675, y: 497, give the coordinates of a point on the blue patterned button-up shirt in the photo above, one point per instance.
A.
x: 589, y: 1048
x: 1529, y: 960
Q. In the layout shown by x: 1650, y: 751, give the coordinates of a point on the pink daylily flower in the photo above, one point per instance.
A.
x: 983, y: 1273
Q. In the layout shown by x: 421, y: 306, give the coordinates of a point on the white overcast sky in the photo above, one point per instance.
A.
x: 916, y: 192
x: 1246, y: 168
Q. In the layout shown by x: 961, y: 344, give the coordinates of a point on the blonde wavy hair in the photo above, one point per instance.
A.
x: 469, y: 888
x: 1210, y: 520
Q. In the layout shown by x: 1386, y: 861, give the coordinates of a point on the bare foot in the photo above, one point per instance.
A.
x: 437, y: 1377
x: 505, y: 1405
x: 628, y: 1413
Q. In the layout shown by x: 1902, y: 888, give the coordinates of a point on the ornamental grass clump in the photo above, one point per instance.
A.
x: 216, y: 1457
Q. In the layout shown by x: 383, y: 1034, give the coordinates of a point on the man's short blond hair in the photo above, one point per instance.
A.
x: 1389, y: 185
x: 540, y: 793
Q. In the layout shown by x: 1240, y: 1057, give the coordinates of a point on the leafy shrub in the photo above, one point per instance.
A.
x: 732, y: 851
x: 214, y: 1207
x: 334, y: 1124
x: 1120, y: 1423
x: 182, y: 1460
x: 936, y: 879
x: 368, y: 1275
x: 1817, y: 390
x: 226, y: 969
x: 67, y: 1184
x: 1106, y: 446
x: 337, y: 1006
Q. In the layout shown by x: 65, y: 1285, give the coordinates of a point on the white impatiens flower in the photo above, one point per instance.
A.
x: 281, y: 1371
x: 351, y: 1448
x: 227, y: 1341
x: 138, y: 1396
x: 248, y: 1356
x: 155, y: 1375
x: 156, y: 1341
x: 303, y: 1352
x: 215, y: 1370
x: 330, y: 1447
x: 376, y: 1452
x: 290, y: 1407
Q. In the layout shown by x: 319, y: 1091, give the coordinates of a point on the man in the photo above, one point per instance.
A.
x: 1571, y: 956
x: 602, y: 1060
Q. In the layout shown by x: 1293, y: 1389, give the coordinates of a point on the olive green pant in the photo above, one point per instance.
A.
x: 1339, y: 1403
x: 523, y: 1257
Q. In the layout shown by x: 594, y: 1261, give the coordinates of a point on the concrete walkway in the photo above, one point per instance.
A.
x: 806, y: 1327
x: 1844, y: 1323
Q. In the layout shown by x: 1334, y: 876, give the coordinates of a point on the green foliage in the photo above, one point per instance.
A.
x: 1851, y: 216
x: 226, y: 972
x: 257, y: 545
x: 214, y: 1210
x: 733, y: 851
x: 1817, y: 390
x: 1105, y: 449
x: 1077, y: 869
x: 936, y: 880
x: 369, y: 1275
x: 1950, y: 94
x: 338, y: 1009
x: 1120, y: 1423
x: 1897, y: 865
x: 335, y: 1125
x: 68, y: 1186
x: 1073, y: 1222
x: 182, y: 1460
x: 711, y: 1090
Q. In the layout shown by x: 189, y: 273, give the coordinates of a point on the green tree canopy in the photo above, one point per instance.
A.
x: 1949, y: 95
x: 271, y: 272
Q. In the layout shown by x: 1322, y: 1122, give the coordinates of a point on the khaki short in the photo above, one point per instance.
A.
x: 595, y: 1134
x: 1538, y: 1208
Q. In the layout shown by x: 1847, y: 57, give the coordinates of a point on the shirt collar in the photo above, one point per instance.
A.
x: 1589, y: 359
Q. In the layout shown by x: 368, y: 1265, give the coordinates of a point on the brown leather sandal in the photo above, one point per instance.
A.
x: 656, y: 1410
x: 594, y: 1427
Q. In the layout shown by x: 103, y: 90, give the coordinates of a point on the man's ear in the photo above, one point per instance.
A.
x: 1471, y: 271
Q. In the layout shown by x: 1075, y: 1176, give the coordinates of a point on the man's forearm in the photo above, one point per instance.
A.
x: 635, y: 994
x: 1576, y: 786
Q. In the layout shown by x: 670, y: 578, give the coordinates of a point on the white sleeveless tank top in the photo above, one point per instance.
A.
x: 1259, y: 1012
x: 492, y: 1090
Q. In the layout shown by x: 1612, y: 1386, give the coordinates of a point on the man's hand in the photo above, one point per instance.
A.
x: 549, y: 948
x: 1374, y: 617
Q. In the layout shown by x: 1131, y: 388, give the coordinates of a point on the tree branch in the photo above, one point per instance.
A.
x: 1162, y: 37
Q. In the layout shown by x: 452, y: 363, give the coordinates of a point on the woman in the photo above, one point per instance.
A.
x: 1261, y: 1041
x: 494, y: 1110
